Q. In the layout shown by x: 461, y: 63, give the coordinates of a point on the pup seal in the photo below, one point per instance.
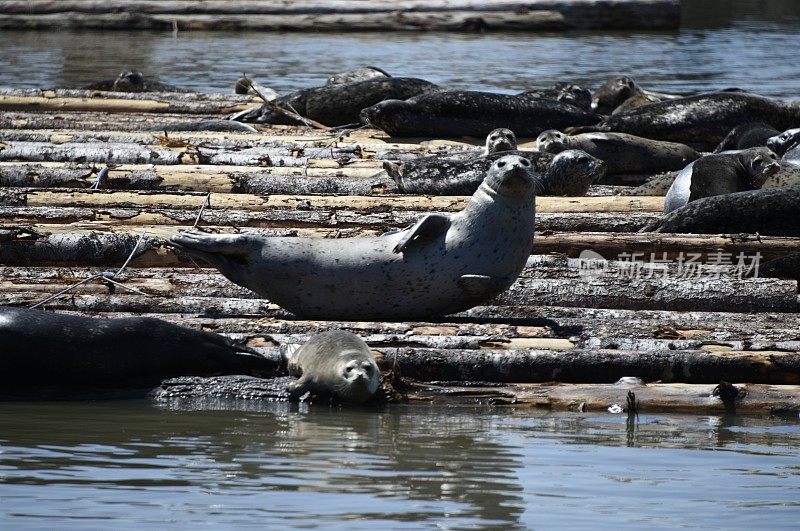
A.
x: 48, y: 348
x: 569, y: 173
x: 721, y: 173
x: 705, y: 118
x: 440, y: 265
x: 469, y: 113
x: 334, y: 363
x: 621, y: 152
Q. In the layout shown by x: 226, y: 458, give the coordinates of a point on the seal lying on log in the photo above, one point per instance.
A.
x: 752, y: 134
x: 622, y: 93
x: 704, y: 118
x: 570, y: 173
x: 770, y: 212
x: 337, y: 103
x: 335, y: 363
x: 784, y: 142
x: 133, y: 81
x: 441, y: 265
x: 44, y: 348
x: 721, y: 173
x: 564, y: 92
x: 469, y: 113
x: 622, y: 153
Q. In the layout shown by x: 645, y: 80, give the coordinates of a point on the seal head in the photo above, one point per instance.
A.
x: 785, y: 141
x: 500, y: 139
x: 552, y: 141
x: 511, y: 177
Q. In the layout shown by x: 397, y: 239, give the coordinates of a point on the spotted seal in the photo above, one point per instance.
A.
x: 621, y: 152
x: 359, y: 74
x: 501, y: 139
x: 337, y: 103
x: 440, y: 265
x: 704, y: 119
x: 622, y: 93
x: 785, y: 141
x: 766, y: 212
x: 721, y: 173
x: 565, y: 92
x: 568, y: 173
x: 471, y: 113
x: 335, y: 363
x: 60, y: 350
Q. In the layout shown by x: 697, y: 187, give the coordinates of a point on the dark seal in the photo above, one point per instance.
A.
x: 468, y: 113
x: 753, y: 134
x: 721, y: 173
x: 565, y: 92
x: 133, y: 81
x: 51, y: 349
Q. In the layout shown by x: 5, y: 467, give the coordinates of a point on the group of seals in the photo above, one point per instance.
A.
x: 441, y: 265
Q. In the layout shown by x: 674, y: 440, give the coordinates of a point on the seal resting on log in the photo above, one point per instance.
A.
x: 721, y: 173
x: 470, y: 113
x: 335, y: 363
x: 705, y: 118
x: 565, y: 92
x: 752, y: 134
x: 622, y: 93
x: 771, y: 212
x: 621, y: 152
x: 441, y: 265
x: 39, y: 347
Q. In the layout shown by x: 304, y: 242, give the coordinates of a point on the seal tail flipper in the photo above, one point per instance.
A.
x: 423, y: 231
x: 482, y: 286
x: 289, y: 353
x: 195, y: 241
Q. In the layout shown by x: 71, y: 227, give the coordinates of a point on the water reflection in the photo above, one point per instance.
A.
x: 279, y: 464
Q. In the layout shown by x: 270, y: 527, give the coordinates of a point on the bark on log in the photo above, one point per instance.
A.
x: 185, y: 97
x: 695, y: 398
x: 117, y: 105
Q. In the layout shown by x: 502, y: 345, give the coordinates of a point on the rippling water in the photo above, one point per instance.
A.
x: 123, y: 465
x: 751, y: 44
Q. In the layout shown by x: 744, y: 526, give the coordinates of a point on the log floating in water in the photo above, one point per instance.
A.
x: 342, y: 15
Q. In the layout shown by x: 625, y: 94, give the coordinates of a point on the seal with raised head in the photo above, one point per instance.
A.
x: 59, y: 350
x: 441, y: 265
x: 469, y: 113
x: 337, y: 103
x: 621, y: 152
x: 721, y: 173
x: 704, y: 118
x: 568, y: 173
x: 335, y: 363
x: 622, y: 93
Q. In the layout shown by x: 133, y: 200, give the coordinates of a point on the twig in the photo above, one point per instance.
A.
x: 130, y: 256
x: 202, y: 208
x: 280, y: 110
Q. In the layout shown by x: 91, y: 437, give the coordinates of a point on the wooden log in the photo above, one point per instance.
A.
x: 187, y: 97
x: 117, y: 105
x: 102, y: 121
x: 348, y: 15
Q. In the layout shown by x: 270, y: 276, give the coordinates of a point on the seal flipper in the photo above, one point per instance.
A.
x: 426, y: 229
x: 482, y: 286
x: 298, y: 389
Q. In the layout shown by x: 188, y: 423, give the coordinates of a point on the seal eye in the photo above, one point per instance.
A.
x: 524, y: 162
x: 501, y: 164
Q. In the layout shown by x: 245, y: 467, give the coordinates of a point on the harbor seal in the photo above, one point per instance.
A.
x: 565, y: 92
x: 622, y: 93
x: 783, y: 142
x: 570, y: 173
x: 52, y: 349
x: 721, y: 173
x: 441, y: 265
x: 501, y: 139
x: 621, y: 152
x: 766, y: 212
x: 132, y: 81
x: 753, y: 134
x: 338, y: 103
x: 704, y: 119
x: 335, y: 363
x: 470, y: 113
x: 359, y: 74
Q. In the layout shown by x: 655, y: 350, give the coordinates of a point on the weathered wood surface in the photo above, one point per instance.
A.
x: 659, y: 397
x: 342, y: 15
x: 225, y: 98
x: 119, y: 105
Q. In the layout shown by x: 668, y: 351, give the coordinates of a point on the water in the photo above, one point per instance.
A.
x: 751, y: 44
x: 125, y: 465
